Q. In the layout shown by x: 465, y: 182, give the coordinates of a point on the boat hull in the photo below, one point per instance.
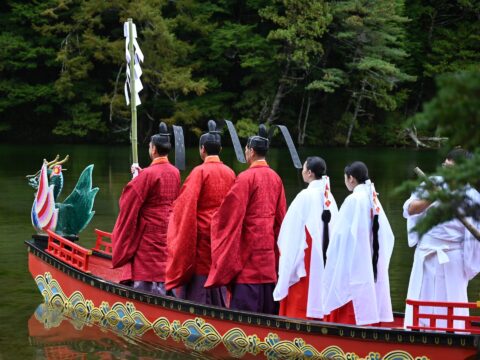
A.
x: 224, y: 332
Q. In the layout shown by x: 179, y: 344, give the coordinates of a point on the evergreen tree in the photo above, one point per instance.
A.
x: 27, y: 71
x: 235, y: 57
x: 455, y: 111
x: 62, y: 66
x: 92, y: 62
x: 443, y: 36
x: 370, y: 40
x: 299, y: 27
x: 320, y: 82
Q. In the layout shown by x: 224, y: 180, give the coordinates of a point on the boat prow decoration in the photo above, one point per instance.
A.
x: 70, y: 216
x: 44, y: 215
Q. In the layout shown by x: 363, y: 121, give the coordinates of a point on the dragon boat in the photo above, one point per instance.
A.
x: 81, y: 282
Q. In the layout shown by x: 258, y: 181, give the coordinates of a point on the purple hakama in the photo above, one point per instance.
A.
x: 154, y: 287
x: 195, y: 291
x: 254, y: 297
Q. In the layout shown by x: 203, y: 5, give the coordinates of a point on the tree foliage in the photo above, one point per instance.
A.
x: 334, y: 72
x: 370, y: 37
x: 27, y: 71
x: 455, y: 110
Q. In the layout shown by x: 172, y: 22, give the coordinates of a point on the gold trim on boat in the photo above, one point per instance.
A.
x: 195, y: 333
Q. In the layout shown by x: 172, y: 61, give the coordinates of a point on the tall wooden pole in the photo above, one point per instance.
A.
x: 133, y: 94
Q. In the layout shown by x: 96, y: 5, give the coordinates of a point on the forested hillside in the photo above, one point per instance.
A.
x: 352, y: 72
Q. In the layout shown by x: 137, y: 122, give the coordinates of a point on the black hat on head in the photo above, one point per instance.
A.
x: 163, y: 132
x: 212, y: 136
x: 162, y: 140
x: 259, y: 142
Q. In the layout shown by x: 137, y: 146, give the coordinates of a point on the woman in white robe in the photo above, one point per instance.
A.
x: 302, y: 243
x: 356, y: 284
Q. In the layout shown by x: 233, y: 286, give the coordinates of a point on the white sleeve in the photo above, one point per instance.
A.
x: 471, y: 254
x: 291, y: 244
x: 471, y: 246
x: 412, y: 220
x: 406, y: 205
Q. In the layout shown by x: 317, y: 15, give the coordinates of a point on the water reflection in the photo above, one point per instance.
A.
x: 55, y: 334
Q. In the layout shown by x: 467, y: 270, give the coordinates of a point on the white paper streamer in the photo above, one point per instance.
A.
x: 138, y: 58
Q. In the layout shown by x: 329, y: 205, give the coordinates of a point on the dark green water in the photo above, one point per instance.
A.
x: 19, y: 296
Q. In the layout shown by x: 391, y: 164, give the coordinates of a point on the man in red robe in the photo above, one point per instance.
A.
x: 139, y: 237
x: 188, y: 235
x: 245, y: 230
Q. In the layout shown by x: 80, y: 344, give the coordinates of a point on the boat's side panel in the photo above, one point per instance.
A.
x: 63, y: 337
x: 147, y: 315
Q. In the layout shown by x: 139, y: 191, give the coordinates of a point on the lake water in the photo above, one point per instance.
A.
x: 19, y: 296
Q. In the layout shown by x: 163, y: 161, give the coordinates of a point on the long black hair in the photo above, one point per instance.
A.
x: 359, y: 171
x: 458, y: 154
x: 319, y: 168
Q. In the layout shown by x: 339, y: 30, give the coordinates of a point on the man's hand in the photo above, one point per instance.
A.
x: 418, y: 206
x: 135, y: 169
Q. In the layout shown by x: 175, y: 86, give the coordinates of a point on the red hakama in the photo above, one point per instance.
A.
x: 343, y: 315
x: 140, y: 232
x: 295, y: 304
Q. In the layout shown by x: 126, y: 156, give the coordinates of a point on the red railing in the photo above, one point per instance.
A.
x: 68, y: 252
x: 103, y: 246
x: 449, y: 317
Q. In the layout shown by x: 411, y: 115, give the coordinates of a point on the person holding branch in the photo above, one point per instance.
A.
x: 446, y: 257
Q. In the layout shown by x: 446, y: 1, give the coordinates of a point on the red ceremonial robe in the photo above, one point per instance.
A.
x: 188, y: 236
x: 139, y: 237
x: 246, y: 227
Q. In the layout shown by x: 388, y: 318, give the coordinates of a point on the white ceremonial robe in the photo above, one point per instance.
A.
x: 305, y: 211
x: 445, y: 259
x: 348, y: 275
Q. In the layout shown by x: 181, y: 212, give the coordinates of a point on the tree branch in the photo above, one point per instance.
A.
x: 110, y: 118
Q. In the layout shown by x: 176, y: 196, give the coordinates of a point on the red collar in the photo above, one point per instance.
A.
x: 212, y: 159
x: 258, y: 163
x: 160, y: 160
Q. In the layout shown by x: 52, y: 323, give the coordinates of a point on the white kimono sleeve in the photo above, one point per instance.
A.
x: 471, y: 255
x: 291, y: 244
x: 471, y: 246
x: 412, y: 220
